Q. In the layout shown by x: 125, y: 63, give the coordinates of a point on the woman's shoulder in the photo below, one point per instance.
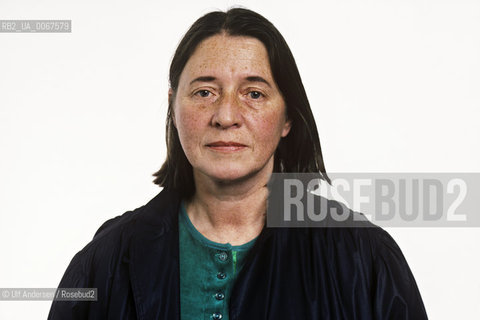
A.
x: 105, y: 262
x: 157, y: 212
x: 112, y: 241
x: 109, y: 244
x: 354, y: 237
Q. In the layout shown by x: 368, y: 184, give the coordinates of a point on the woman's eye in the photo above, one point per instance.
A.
x: 255, y: 94
x: 203, y: 93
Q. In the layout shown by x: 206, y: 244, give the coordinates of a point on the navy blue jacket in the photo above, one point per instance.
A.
x: 290, y: 273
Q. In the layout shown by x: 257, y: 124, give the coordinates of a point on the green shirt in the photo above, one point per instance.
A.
x: 207, y: 272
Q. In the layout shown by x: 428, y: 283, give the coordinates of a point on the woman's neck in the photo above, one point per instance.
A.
x: 229, y: 212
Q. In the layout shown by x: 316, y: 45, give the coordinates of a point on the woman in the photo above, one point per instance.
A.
x: 200, y: 249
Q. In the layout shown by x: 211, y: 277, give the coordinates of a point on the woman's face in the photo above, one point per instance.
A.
x: 228, y: 111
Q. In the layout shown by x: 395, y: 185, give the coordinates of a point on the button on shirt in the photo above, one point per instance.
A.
x: 207, y: 272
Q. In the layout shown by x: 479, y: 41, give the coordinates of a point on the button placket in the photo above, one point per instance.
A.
x: 221, y: 261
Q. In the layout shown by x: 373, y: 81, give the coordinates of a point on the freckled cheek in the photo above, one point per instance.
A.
x: 268, y: 130
x: 189, y: 130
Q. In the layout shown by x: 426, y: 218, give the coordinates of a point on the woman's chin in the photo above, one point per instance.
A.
x: 230, y: 175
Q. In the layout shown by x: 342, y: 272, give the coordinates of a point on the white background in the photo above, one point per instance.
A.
x: 394, y: 86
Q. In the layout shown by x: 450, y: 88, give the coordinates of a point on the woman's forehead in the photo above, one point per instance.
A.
x: 229, y: 56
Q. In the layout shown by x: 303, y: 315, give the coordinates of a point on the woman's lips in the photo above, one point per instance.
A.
x: 226, y: 146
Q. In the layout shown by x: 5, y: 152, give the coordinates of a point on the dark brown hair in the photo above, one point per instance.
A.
x: 299, y: 151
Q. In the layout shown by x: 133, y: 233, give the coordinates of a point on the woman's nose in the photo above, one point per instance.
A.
x: 227, y: 112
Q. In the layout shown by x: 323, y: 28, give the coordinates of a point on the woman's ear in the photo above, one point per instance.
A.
x: 170, y: 105
x: 286, y: 128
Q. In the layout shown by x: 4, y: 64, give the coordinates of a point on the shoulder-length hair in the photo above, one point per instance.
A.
x: 299, y: 151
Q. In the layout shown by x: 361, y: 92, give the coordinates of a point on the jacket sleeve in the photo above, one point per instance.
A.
x: 89, y: 268
x: 74, y: 277
x: 396, y: 293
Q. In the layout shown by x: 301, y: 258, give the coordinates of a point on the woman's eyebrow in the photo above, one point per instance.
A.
x: 249, y: 79
x: 203, y: 79
x: 258, y: 79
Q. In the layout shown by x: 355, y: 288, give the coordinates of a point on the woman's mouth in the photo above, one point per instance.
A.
x: 226, y: 146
